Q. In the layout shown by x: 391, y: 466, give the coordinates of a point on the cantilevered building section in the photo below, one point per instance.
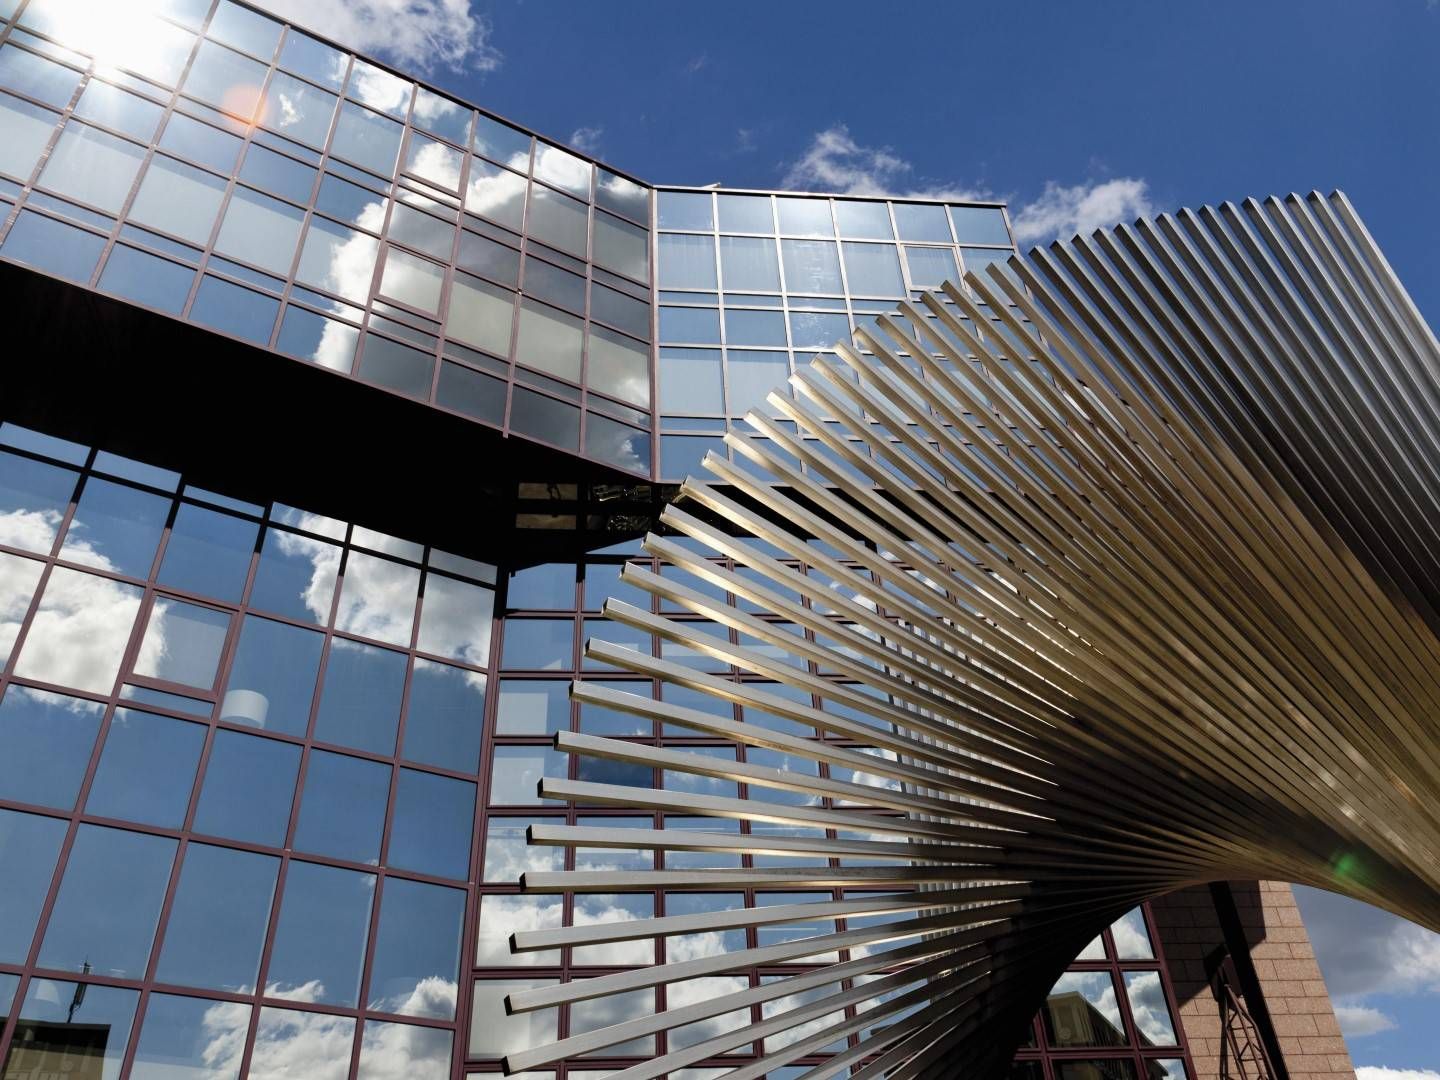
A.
x: 954, y: 719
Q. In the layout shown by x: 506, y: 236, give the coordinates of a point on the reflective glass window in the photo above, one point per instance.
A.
x: 233, y: 310
x: 275, y: 172
x: 56, y: 1034
x: 931, y: 267
x: 446, y: 716
x: 18, y: 579
x: 873, y: 270
x: 549, y: 283
x: 130, y: 114
x: 388, y: 1051
x: 422, y: 231
x: 978, y: 260
x: 403, y: 369
x: 564, y: 170
x: 379, y: 89
x: 516, y: 771
x: 433, y: 161
x: 342, y: 811
x: 549, y: 341
x: 320, y: 939
x: 743, y: 327
x: 218, y: 919
x: 377, y: 598
x: 296, y: 576
x: 147, y: 279
x: 350, y: 202
x: 33, y: 499
x: 863, y: 220
x: 302, y: 112
x: 48, y: 739
x: 495, y: 193
x: 25, y: 129
x: 620, y: 310
x: 1148, y: 1008
x: 1132, y: 939
x: 811, y: 266
x: 208, y: 553
x: 507, y: 855
x: 245, y: 29
x: 412, y: 280
x: 183, y: 643
x: 36, y: 77
x: 339, y: 259
x: 78, y: 634
x: 745, y: 213
x: 272, y: 679
x: 367, y: 139
x: 540, y: 588
x: 29, y: 846
x: 501, y: 915
x: 818, y: 330
x: 147, y: 769
x: 557, y: 220
x: 616, y: 1009
x: 360, y: 704
x: 500, y: 142
x: 619, y: 367
x: 54, y: 247
x: 480, y: 314
x: 313, y: 59
x: 747, y: 264
x: 537, y: 644
x: 684, y: 210
x: 622, y: 246
x: 594, y: 909
x: 533, y: 707
x: 327, y: 342
x: 223, y: 78
x: 200, y: 142
x: 284, y: 1037
x: 455, y: 620
x: 481, y: 255
x: 109, y: 902
x: 752, y: 376
x: 622, y: 196
x: 804, y: 217
x: 700, y: 326
x: 430, y: 830
x: 1081, y: 1010
x: 444, y: 117
x: 249, y: 784
x: 92, y: 166
x: 416, y: 949
x: 184, y: 1038
x: 471, y: 393
x: 687, y: 262
x: 980, y: 225
x: 1108, y: 1069
x: 260, y: 230
x: 493, y: 1033
x: 923, y: 222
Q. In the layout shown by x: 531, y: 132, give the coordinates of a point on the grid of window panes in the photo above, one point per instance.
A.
x: 1111, y: 1016
x: 240, y: 752
x: 752, y: 286
x: 550, y: 612
x: 215, y: 164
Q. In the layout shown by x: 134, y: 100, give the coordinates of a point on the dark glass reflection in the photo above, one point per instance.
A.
x: 544, y: 418
x: 446, y: 716
x: 147, y: 769
x: 398, y: 367
x: 48, y: 739
x: 342, y: 812
x: 417, y: 950
x: 109, y: 902
x: 538, y: 644
x: 246, y: 314
x: 471, y: 393
x: 49, y: 245
x: 186, y: 1038
x: 147, y: 279
x: 296, y: 576
x: 431, y: 824
x: 272, y: 680
x: 29, y: 846
x: 360, y: 703
x: 248, y: 788
x: 71, y: 1029
x: 218, y: 919
x: 320, y: 939
x: 327, y: 342
x: 208, y: 553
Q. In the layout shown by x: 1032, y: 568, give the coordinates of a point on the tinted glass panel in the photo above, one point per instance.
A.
x: 147, y: 769
x: 92, y: 167
x: 422, y: 231
x: 327, y: 342
x: 481, y: 314
x: 200, y: 142
x: 18, y: 580
x: 804, y: 217
x: 390, y: 364
x: 430, y: 832
x: 687, y: 262
x: 45, y: 1043
x: 752, y: 376
x: 866, y: 220
x: 233, y: 310
x: 29, y: 846
x: 873, y: 270
x: 208, y: 553
x: 218, y: 919
x: 191, y: 1038
x: 260, y: 230
x: 471, y: 393
x: 178, y: 199
x: 127, y: 113
x: 223, y: 78
x: 360, y: 705
x: 619, y: 367
x: 918, y: 221
x: 417, y: 950
x: 338, y: 259
x: 518, y: 769
x: 183, y: 643
x: 618, y: 444
x: 109, y: 901
x: 745, y: 213
x: 446, y: 716
x: 36, y: 77
x: 748, y: 264
x: 980, y: 225
x: 26, y: 129
x: 420, y: 1053
x: 320, y: 939
x: 557, y: 220
x: 33, y: 499
x: 272, y: 679
x: 54, y: 247
x: 931, y: 267
x: 147, y: 279
x: 48, y: 739
x: 298, y: 110
x: 495, y: 193
x: 343, y: 809
x: 1082, y: 1011
x: 412, y: 280
x: 811, y: 266
x: 275, y: 172
x: 286, y: 1036
x: 78, y: 635
x: 367, y: 139
x: 549, y: 341
x: 249, y: 784
x: 622, y: 247
x: 684, y: 210
x: 622, y: 196
x: 377, y: 598
x: 455, y: 620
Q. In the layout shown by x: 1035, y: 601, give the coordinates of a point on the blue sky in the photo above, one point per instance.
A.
x: 1078, y: 115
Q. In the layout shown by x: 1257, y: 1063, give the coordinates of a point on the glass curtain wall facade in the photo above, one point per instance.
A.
x: 265, y: 774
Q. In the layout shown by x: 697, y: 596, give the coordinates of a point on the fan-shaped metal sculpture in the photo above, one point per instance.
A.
x: 1121, y: 568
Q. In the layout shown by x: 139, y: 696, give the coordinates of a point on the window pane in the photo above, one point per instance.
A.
x: 191, y: 1038
x: 549, y: 341
x: 388, y: 363
x: 533, y: 707
x: 417, y: 950
x: 338, y: 259
x: 234, y: 310
x: 620, y: 310
x: 745, y: 213
x: 377, y: 598
x: 260, y: 230
x: 366, y: 138
x: 557, y: 220
x: 33, y: 498
x: 596, y: 909
x: 147, y: 769
x: 615, y: 1009
x: 563, y: 170
x: 804, y: 217
x: 24, y: 131
x: 296, y: 576
x: 687, y: 262
x: 208, y: 553
x: 493, y: 260
x: 18, y: 579
x: 298, y: 110
x: 866, y: 220
x: 313, y: 59
x: 817, y: 330
x: 69, y: 1029
x: 496, y: 193
x: 342, y: 811
x: 622, y: 247
x: 1132, y: 940
x: 109, y: 901
x: 422, y: 231
x: 1082, y: 1011
x: 502, y: 915
x: 507, y: 855
x: 432, y: 160
x: 200, y: 142
x: 147, y: 279
x: 622, y: 196
x: 501, y: 142
x: 317, y: 1044
x: 619, y: 367
x: 480, y: 314
x: 92, y: 167
x: 249, y: 784
x: 128, y: 113
x: 538, y: 644
x: 684, y: 210
x: 412, y: 280
x: 446, y: 716
x: 320, y: 939
x: 379, y: 89
x: 455, y: 620
x: 1148, y: 1008
x: 404, y: 1052
x: 743, y: 327
x: 493, y: 1033
x: 873, y: 270
x: 554, y: 286
x: 931, y: 267
x: 430, y: 830
x: 273, y: 678
x: 223, y: 78
x: 517, y: 770
x: 178, y: 199
x: 275, y: 172
x: 29, y: 846
x: 183, y: 643
x: 360, y: 704
x: 752, y: 376
x: 327, y: 342
x: 747, y: 264
x: 980, y: 225
x: 53, y: 247
x: 684, y: 325
x: 690, y: 381
x: 811, y: 266
x: 78, y: 635
x: 245, y: 29
x: 47, y: 739
x: 36, y: 77
x: 617, y: 444
x: 218, y: 919
x: 918, y: 221
x: 471, y: 393
x: 446, y: 118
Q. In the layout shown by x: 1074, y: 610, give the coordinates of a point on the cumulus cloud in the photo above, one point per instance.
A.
x: 421, y: 34
x: 1380, y: 1072
x: 1358, y: 1020
x: 1363, y: 950
x: 1060, y: 212
x: 836, y: 162
x: 586, y: 139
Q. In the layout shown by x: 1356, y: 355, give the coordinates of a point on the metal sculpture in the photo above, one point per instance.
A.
x: 1119, y: 576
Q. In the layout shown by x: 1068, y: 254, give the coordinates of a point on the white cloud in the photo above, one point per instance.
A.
x: 586, y: 139
x: 1380, y: 1072
x: 423, y: 34
x: 1363, y: 950
x: 1358, y: 1020
x: 835, y: 162
x: 1060, y: 212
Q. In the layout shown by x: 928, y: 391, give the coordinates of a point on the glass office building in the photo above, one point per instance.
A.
x: 333, y: 409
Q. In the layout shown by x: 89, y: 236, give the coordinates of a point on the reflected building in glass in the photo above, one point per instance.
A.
x: 334, y: 407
